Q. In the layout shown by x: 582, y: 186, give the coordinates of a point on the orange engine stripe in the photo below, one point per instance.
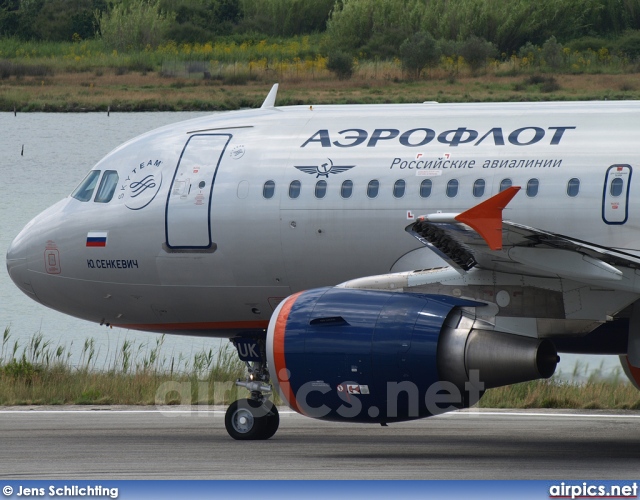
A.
x: 635, y: 372
x: 278, y: 352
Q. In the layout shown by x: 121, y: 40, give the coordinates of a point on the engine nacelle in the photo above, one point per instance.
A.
x: 632, y: 372
x: 372, y: 356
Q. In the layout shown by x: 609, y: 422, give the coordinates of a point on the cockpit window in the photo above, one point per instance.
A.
x: 85, y: 190
x: 107, y: 187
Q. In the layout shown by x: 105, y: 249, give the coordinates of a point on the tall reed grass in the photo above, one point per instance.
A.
x: 42, y: 372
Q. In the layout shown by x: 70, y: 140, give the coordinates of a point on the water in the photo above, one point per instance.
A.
x: 59, y: 149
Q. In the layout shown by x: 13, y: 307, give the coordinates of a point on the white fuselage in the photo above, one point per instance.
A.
x: 212, y: 224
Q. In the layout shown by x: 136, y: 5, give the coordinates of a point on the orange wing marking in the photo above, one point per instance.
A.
x: 486, y: 218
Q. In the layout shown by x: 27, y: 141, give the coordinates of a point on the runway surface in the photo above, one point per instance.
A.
x: 130, y: 443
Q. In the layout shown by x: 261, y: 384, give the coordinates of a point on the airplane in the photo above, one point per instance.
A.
x: 371, y: 263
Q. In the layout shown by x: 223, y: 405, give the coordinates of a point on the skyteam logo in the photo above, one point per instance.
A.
x: 324, y: 169
x: 141, y: 185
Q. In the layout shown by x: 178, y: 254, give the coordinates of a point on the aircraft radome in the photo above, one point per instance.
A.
x: 375, y: 263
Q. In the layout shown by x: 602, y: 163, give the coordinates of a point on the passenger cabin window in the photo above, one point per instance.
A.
x: 532, y: 187
x: 84, y: 191
x: 573, y: 187
x: 452, y: 188
x: 107, y: 187
x: 505, y: 184
x: 321, y: 189
x: 478, y: 188
x: 269, y: 189
x: 346, y: 189
x: 616, y: 186
x: 398, y: 188
x: 294, y: 189
x: 425, y: 188
x: 372, y: 188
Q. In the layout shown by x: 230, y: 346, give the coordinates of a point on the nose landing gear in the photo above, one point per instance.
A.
x: 248, y: 419
x: 256, y: 417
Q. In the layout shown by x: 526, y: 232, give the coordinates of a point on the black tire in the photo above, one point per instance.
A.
x: 247, y: 419
x: 273, y: 420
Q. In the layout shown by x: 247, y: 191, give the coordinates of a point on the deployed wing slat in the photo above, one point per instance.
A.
x: 438, y: 237
x: 450, y: 235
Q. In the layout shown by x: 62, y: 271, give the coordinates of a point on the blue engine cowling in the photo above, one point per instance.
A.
x: 364, y: 356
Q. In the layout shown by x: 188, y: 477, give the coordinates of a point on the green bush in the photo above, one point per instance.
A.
x: 449, y: 48
x: 530, y: 51
x: 418, y: 51
x: 341, y: 64
x: 590, y: 42
x: 201, y: 20
x: 546, y: 84
x: 476, y: 51
x: 384, y: 45
x: 629, y: 44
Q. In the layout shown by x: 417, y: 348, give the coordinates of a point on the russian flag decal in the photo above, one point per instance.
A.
x: 97, y: 239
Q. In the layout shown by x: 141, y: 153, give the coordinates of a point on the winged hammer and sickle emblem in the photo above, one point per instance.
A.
x: 324, y: 169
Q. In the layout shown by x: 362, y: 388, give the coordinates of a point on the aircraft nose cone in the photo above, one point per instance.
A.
x: 17, y: 264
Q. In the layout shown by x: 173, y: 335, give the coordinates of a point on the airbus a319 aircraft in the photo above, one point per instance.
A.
x: 374, y: 263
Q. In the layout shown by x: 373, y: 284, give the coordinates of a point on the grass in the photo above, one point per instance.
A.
x: 135, y: 91
x: 589, y: 389
x: 41, y: 373
x: 554, y: 393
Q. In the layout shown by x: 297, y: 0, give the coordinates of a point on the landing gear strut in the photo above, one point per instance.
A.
x: 256, y: 417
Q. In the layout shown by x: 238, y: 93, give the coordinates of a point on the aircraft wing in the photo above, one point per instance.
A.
x: 480, y: 237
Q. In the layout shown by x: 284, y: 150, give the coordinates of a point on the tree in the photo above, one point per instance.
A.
x: 18, y: 19
x: 137, y: 25
x: 552, y: 53
x: 476, y: 51
x: 59, y: 20
x: 418, y: 51
x: 9, y: 18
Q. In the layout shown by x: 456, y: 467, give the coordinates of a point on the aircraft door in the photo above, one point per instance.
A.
x: 615, y: 197
x: 188, y: 211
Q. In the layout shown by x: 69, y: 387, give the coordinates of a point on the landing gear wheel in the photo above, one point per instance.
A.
x: 244, y: 421
x: 249, y: 419
x: 273, y: 420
